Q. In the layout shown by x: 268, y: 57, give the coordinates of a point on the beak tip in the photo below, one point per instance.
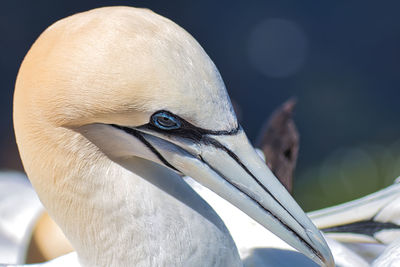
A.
x: 330, y: 263
x: 324, y: 255
x: 327, y: 257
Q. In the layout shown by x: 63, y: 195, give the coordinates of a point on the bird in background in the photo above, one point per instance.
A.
x: 369, y: 226
x: 111, y: 108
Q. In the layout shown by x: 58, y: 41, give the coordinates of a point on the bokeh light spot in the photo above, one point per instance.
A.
x: 277, y: 47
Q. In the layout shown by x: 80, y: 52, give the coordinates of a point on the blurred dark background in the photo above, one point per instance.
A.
x: 340, y: 59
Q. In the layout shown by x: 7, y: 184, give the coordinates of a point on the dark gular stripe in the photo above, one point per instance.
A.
x: 238, y: 187
x: 367, y: 227
x: 146, y: 143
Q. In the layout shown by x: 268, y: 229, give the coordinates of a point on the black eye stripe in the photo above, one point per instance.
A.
x: 186, y: 129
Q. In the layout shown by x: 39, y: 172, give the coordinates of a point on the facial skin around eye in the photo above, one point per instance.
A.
x: 165, y: 121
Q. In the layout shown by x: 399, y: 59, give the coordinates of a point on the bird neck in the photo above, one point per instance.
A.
x: 138, y: 215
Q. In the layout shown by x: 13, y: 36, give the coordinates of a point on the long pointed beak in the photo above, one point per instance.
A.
x: 371, y: 219
x: 229, y: 166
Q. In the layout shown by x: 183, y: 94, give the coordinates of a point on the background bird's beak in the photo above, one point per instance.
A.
x: 371, y: 219
x: 229, y: 165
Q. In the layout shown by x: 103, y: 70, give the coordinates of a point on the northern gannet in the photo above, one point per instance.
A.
x: 111, y: 106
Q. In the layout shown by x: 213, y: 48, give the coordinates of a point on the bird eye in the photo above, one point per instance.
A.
x: 165, y: 121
